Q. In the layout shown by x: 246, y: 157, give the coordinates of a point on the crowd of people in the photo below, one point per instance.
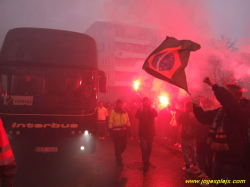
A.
x: 123, y: 121
x: 213, y: 136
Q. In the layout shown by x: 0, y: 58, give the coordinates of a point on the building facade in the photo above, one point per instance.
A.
x: 122, y: 50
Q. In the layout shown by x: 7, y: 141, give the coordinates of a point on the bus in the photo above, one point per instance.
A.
x: 49, y: 91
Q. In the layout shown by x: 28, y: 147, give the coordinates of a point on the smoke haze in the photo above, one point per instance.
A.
x: 196, y: 20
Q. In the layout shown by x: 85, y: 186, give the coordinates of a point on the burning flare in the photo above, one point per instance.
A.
x: 136, y: 85
x: 164, y: 100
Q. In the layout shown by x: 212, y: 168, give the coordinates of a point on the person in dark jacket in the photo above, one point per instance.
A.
x: 245, y: 102
x: 146, y: 115
x: 227, y: 134
x: 188, y: 136
x: 204, y: 153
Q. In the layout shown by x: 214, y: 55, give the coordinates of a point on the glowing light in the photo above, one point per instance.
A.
x: 86, y: 132
x: 164, y: 100
x: 136, y: 84
x: 80, y: 82
x: 244, y: 90
x: 82, y: 148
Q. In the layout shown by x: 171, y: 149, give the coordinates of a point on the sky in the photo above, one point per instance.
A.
x: 196, y: 20
x: 215, y: 17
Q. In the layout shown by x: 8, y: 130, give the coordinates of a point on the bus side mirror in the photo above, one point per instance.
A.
x: 102, y: 82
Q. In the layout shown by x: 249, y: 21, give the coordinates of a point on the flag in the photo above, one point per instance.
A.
x: 168, y: 61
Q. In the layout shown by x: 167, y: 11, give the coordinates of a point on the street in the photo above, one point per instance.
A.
x: 100, y: 170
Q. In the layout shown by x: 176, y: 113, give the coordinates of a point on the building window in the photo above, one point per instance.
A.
x: 123, y: 91
x: 139, y: 49
x: 106, y: 46
x: 106, y: 61
x: 104, y: 31
x: 120, y: 32
x: 103, y: 46
x: 134, y: 48
x: 129, y: 62
x: 125, y: 76
x: 123, y: 46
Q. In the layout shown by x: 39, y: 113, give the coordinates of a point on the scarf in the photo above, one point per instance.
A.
x: 217, y: 136
x: 119, y: 110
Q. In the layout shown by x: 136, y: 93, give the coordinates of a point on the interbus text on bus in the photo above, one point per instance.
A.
x: 43, y: 125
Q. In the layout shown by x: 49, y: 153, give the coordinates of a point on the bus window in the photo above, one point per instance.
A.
x: 54, y: 85
x: 4, y: 85
x: 80, y: 85
x: 25, y: 85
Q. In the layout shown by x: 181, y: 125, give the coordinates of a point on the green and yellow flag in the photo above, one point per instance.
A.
x: 168, y: 61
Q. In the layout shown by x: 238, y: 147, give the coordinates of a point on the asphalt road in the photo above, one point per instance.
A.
x: 100, y: 170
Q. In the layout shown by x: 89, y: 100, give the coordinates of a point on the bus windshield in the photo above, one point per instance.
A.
x: 50, y: 87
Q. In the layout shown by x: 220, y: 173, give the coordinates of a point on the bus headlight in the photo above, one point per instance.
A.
x: 82, y: 148
x: 86, y: 132
x: 17, y: 132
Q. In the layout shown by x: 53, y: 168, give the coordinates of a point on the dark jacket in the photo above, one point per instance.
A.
x: 234, y: 122
x: 146, y: 122
x: 189, y: 125
x: 203, y: 148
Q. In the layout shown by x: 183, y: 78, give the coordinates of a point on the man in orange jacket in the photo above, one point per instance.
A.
x: 8, y: 167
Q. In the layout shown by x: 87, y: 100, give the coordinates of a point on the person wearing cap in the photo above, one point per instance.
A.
x: 119, y: 127
x: 146, y: 115
x: 227, y: 134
